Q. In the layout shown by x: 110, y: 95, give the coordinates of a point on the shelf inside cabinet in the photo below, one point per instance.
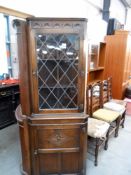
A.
x: 96, y: 64
x: 102, y: 50
x: 95, y: 74
x: 94, y: 81
x: 93, y: 55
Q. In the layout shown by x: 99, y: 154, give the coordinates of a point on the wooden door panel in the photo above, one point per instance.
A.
x: 49, y: 163
x: 55, y: 163
x: 57, y: 74
x: 58, y: 148
x: 70, y: 162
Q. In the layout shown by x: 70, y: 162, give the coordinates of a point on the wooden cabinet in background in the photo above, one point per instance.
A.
x: 9, y: 100
x: 96, y: 62
x: 53, y: 123
x: 118, y: 61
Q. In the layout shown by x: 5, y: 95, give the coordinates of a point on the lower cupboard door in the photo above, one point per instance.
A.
x: 59, y: 163
x: 59, y: 149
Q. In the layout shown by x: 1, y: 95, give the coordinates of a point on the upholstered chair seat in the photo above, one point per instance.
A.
x: 106, y: 115
x: 115, y: 107
x: 113, y: 104
x: 97, y: 128
x: 121, y: 102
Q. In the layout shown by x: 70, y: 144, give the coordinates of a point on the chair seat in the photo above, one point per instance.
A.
x: 106, y: 115
x: 121, y: 102
x: 97, y: 128
x: 115, y: 107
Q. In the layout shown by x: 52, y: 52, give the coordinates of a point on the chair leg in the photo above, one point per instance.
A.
x: 123, y: 119
x: 96, y: 151
x: 117, y: 126
x: 107, y: 138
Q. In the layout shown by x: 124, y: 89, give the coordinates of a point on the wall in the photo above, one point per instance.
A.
x: 13, y: 45
x: 128, y: 21
x: 49, y: 8
x: 61, y: 8
x: 117, y: 10
x: 71, y: 8
x: 65, y: 8
x: 3, y: 60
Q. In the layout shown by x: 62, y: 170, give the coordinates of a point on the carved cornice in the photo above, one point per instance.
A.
x: 75, y: 26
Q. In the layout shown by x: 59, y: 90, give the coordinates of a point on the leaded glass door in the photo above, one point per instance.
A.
x: 57, y: 57
x: 57, y: 71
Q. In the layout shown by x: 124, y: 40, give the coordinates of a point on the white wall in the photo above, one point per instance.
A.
x: 128, y: 22
x: 72, y: 8
x: 13, y: 46
x: 3, y: 59
x: 49, y: 8
x: 65, y: 8
x: 117, y: 10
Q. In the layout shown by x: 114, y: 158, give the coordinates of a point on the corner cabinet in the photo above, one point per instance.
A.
x: 52, y: 119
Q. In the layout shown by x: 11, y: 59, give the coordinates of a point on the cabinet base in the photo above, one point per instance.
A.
x: 22, y: 171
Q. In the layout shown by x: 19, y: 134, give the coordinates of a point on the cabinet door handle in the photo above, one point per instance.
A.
x: 34, y: 73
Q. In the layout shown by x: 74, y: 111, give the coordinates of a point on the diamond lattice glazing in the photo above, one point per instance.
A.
x: 57, y: 56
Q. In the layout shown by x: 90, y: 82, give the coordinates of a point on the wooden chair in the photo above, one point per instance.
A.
x: 96, y: 110
x: 112, y: 104
x: 98, y: 130
x: 110, y: 98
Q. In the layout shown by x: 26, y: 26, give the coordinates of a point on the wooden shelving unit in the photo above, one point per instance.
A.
x: 118, y: 61
x: 96, y: 62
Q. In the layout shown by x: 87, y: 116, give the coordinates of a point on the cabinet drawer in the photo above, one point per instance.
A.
x: 58, y: 138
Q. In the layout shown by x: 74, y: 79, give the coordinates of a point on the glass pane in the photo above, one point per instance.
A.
x: 57, y: 57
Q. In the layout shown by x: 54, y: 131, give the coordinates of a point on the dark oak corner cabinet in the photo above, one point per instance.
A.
x: 53, y: 123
